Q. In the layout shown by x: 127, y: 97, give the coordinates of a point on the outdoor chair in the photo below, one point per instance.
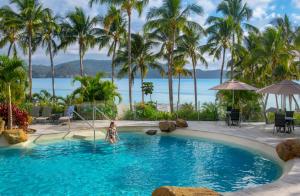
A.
x: 68, y: 115
x: 35, y: 112
x: 235, y: 118
x: 46, y: 114
x: 281, y: 126
x: 290, y: 120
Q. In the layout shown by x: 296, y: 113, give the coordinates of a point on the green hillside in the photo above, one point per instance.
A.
x: 91, y: 67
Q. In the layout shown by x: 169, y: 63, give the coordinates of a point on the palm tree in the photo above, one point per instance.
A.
x: 49, y: 35
x: 10, y: 35
x: 128, y: 6
x: 239, y: 12
x: 167, y: 21
x: 180, y: 70
x: 142, y: 57
x: 94, y: 89
x: 219, y: 39
x: 11, y: 71
x: 114, y: 31
x: 80, y: 28
x: 287, y: 28
x: 28, y: 17
x: 189, y: 47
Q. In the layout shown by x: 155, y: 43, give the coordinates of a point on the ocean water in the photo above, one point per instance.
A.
x: 64, y: 87
x: 135, y: 166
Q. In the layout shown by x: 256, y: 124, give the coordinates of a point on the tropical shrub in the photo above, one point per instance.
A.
x: 187, y: 112
x: 108, y: 108
x: 148, y: 111
x: 20, y: 117
x: 207, y: 112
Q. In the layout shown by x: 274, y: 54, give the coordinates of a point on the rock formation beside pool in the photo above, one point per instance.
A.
x: 181, y: 123
x: 167, y: 126
x: 151, y: 132
x: 15, y: 136
x: 2, y: 124
x: 288, y: 149
x: 183, y: 191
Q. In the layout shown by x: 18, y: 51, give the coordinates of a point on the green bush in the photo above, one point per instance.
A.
x: 147, y: 111
x: 108, y: 108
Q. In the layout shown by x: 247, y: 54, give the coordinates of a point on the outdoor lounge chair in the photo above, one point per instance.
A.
x: 68, y: 115
x: 235, y: 118
x: 35, y: 112
x: 228, y: 111
x: 280, y: 125
x: 46, y: 114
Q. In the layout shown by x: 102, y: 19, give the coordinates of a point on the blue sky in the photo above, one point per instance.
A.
x: 263, y: 12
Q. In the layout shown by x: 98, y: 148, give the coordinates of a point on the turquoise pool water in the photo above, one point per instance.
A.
x: 135, y: 166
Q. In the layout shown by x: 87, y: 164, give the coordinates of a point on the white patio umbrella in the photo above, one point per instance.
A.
x: 234, y: 85
x: 284, y: 88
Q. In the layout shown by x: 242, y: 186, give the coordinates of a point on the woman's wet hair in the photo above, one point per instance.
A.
x: 112, y: 123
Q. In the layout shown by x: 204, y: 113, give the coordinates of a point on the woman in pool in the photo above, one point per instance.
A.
x: 112, y: 134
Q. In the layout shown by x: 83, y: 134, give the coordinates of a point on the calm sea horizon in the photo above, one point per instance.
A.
x: 65, y: 86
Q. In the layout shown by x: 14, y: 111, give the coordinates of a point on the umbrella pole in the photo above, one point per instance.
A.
x: 290, y: 102
x: 276, y: 98
x: 232, y: 98
x: 296, y: 103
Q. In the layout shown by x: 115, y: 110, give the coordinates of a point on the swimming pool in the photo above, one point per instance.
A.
x: 135, y: 166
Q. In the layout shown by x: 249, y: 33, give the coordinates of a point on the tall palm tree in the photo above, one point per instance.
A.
x: 80, y: 28
x: 10, y: 36
x: 11, y: 70
x: 128, y: 6
x: 239, y: 12
x: 143, y: 58
x: 114, y: 30
x: 219, y: 39
x: 179, y: 70
x: 167, y: 21
x: 49, y: 35
x: 28, y: 16
x: 189, y: 47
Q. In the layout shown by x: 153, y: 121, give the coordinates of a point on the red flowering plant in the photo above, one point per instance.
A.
x: 20, y: 117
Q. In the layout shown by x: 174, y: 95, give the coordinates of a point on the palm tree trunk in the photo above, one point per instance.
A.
x: 232, y: 59
x: 81, y: 60
x: 113, y: 62
x: 52, y: 70
x: 142, y: 82
x: 30, y: 66
x: 195, y: 85
x: 178, y: 95
x: 170, y: 75
x: 10, y: 119
x: 9, y: 49
x: 129, y: 59
x: 222, y: 67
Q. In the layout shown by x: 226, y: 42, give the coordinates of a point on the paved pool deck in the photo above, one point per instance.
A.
x: 287, y: 185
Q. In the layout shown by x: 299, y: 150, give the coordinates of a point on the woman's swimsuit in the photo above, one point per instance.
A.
x: 112, y: 132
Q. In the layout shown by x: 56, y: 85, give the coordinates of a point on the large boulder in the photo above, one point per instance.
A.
x: 167, y: 126
x: 15, y: 136
x: 181, y: 123
x: 2, y: 125
x: 183, y: 191
x: 151, y: 132
x: 288, y: 149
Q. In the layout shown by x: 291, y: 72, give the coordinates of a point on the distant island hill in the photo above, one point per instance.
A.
x: 91, y: 67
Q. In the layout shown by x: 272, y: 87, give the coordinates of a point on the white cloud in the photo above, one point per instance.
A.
x: 296, y: 3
